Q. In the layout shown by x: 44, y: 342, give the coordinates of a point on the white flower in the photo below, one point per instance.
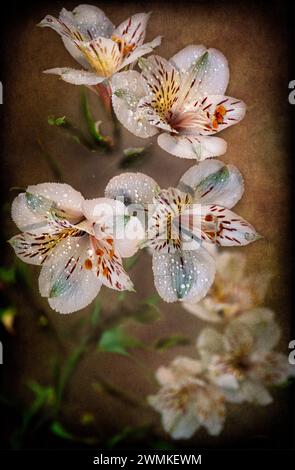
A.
x: 242, y: 361
x: 187, y: 401
x: 232, y: 292
x: 184, y: 98
x: 181, y: 219
x: 97, y: 45
x: 78, y: 243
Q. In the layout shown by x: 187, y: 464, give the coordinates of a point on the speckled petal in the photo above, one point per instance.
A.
x: 64, y: 196
x: 133, y: 29
x: 183, y: 275
x: 190, y: 146
x: 90, y: 20
x: 23, y: 216
x: 225, y: 228
x: 140, y: 51
x: 132, y: 188
x: 76, y: 77
x: 222, y: 112
x: 214, y: 182
x: 127, y: 90
x: 216, y: 77
x: 65, y: 281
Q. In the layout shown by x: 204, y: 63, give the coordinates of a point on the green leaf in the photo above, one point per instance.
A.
x: 136, y: 432
x: 92, y: 125
x: 59, y: 121
x: 171, y: 341
x: 69, y: 367
x: 58, y: 429
x: 71, y: 131
x: 148, y: 311
x: 117, y: 341
x: 153, y: 299
x: 7, y: 275
x: 163, y: 445
x: 87, y: 419
x: 147, y: 314
x: 95, y: 316
x: 44, y: 396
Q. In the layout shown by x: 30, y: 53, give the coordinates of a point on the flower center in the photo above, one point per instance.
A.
x: 124, y: 48
x: 165, y: 227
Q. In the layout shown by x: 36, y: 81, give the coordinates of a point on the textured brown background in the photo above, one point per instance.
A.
x: 254, y: 38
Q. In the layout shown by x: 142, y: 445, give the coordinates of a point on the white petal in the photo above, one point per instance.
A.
x: 194, y: 147
x: 140, y: 51
x: 85, y: 23
x: 225, y: 228
x: 211, y: 409
x: 271, y: 368
x: 185, y: 426
x: 209, y: 343
x: 254, y: 392
x: 222, y: 112
x: 184, y: 367
x: 183, y: 275
x: 63, y: 195
x: 239, y: 339
x: 28, y: 248
x: 103, y: 211
x: 76, y: 77
x: 213, y: 182
x: 201, y: 309
x: 75, y: 52
x: 133, y: 235
x: 67, y: 284
x: 111, y: 217
x: 128, y: 89
x: 132, y: 188
x: 187, y: 56
x: 23, y: 216
x: 103, y: 55
x: 226, y: 381
x: 165, y: 376
x: 133, y: 29
x: 266, y: 331
x: 230, y: 266
x: 88, y: 19
x: 216, y: 77
x: 162, y: 82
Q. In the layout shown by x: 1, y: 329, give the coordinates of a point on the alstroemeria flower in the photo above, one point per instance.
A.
x: 183, y: 98
x: 181, y: 219
x: 242, y: 361
x: 79, y: 243
x: 187, y: 401
x: 233, y: 292
x: 97, y: 45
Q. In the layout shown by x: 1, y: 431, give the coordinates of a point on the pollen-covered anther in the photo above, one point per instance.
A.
x: 219, y: 114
